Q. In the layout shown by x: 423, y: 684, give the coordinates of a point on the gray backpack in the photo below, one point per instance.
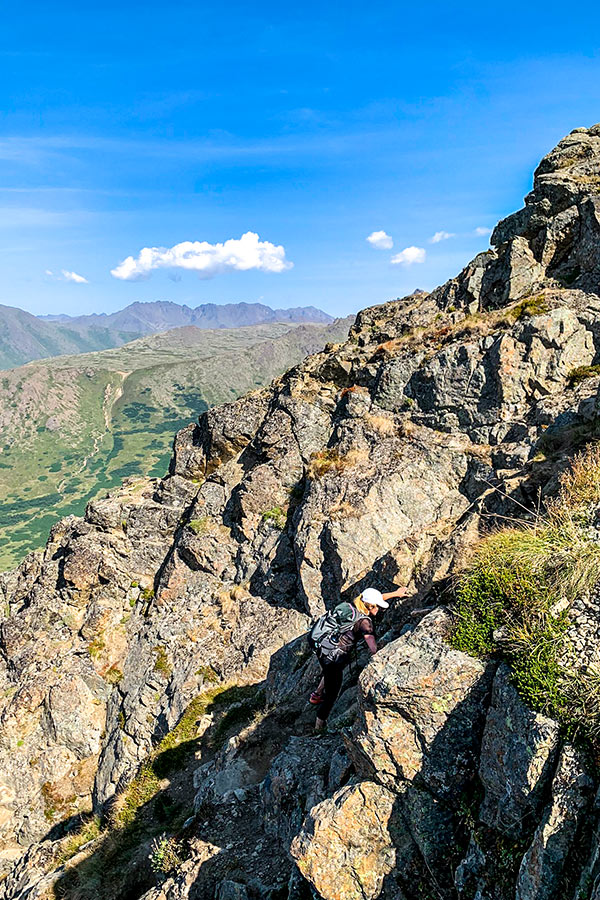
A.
x: 326, y: 632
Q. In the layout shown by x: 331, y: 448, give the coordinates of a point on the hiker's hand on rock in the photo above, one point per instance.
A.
x: 399, y: 592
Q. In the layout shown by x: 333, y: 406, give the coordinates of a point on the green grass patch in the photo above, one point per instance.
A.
x: 275, y: 516
x: 535, y: 305
x: 513, y: 600
x: 89, y: 831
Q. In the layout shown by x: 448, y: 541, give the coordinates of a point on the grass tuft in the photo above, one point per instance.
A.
x: 581, y: 373
x: 162, y: 664
x: 89, y: 831
x: 331, y: 460
x: 535, y: 305
x: 276, y: 517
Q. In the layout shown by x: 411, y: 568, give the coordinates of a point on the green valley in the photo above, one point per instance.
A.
x: 72, y: 427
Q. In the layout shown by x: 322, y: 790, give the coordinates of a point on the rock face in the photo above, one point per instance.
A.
x: 133, y: 641
x: 545, y: 861
x: 518, y: 756
x: 344, y: 848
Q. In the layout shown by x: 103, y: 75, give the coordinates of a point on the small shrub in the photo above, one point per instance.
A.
x: 114, y: 675
x: 276, y: 517
x: 165, y: 855
x: 162, y: 664
x: 147, y: 594
x: 96, y: 646
x: 535, y: 305
x: 581, y: 373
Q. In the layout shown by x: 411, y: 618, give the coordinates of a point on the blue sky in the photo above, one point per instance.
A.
x: 126, y: 126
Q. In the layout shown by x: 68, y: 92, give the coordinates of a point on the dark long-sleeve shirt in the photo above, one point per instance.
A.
x: 361, y: 629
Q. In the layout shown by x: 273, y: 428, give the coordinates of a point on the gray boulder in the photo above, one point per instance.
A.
x: 518, y: 755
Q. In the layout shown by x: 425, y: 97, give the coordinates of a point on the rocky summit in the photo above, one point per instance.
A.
x: 156, y: 741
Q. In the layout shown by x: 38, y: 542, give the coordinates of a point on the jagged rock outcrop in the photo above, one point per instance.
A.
x: 345, y: 848
x: 379, y: 461
x: 518, y: 755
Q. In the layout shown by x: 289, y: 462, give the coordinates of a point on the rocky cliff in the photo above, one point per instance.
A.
x: 156, y: 738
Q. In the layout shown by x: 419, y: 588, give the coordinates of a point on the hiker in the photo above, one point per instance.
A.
x: 333, y: 637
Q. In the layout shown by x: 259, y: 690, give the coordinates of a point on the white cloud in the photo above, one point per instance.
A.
x: 408, y: 256
x: 65, y: 275
x: 208, y: 260
x: 482, y: 231
x: 73, y: 276
x: 381, y: 240
x: 441, y: 236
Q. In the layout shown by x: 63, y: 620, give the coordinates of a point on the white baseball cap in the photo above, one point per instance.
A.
x: 373, y: 597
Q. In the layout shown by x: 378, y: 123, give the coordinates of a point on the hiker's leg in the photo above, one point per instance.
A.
x: 332, y: 674
x: 317, y: 694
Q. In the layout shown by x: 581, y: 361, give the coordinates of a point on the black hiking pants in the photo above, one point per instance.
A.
x: 333, y: 672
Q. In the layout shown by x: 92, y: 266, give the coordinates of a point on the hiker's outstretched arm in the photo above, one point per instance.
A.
x: 399, y: 592
x: 371, y: 643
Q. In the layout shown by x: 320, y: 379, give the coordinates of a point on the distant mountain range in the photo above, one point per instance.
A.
x: 24, y: 337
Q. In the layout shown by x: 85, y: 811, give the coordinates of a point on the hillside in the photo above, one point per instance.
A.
x: 24, y: 337
x: 156, y: 741
x: 72, y: 426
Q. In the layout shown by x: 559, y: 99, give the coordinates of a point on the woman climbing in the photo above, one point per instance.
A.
x: 333, y: 637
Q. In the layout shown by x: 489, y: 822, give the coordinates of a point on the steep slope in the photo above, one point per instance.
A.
x: 74, y: 426
x: 24, y: 337
x: 381, y: 460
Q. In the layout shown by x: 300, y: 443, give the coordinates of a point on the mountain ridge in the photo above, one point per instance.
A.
x: 24, y: 337
x: 154, y: 667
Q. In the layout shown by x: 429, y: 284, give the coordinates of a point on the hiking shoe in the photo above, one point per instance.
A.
x: 315, y: 698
